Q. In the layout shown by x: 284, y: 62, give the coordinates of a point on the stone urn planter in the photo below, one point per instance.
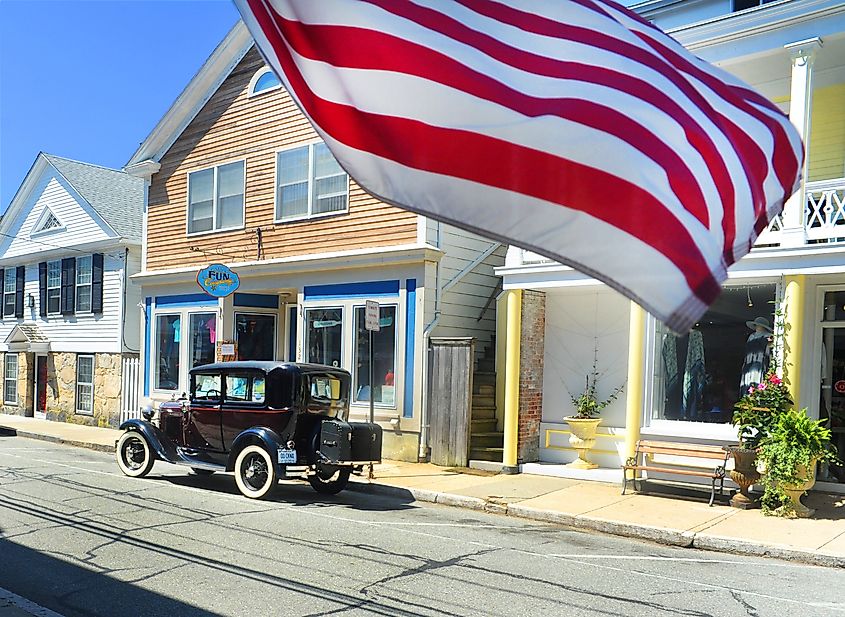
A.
x: 582, y: 438
x: 796, y: 491
x: 745, y: 474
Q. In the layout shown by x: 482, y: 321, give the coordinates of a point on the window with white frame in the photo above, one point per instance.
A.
x: 10, y: 381
x: 216, y: 198
x: 9, y: 289
x: 167, y: 355
x: 384, y: 357
x: 202, y: 336
x: 701, y: 375
x: 83, y: 284
x: 324, y: 336
x: 310, y: 182
x: 264, y: 80
x: 85, y: 385
x: 54, y: 287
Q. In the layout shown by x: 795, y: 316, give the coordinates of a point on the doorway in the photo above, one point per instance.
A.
x: 40, y: 399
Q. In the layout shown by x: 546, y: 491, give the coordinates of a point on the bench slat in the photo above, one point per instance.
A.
x: 683, y: 447
x: 687, y: 453
x: 683, y: 472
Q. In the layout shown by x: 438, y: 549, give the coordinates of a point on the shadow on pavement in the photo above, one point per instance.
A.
x: 299, y: 493
x: 8, y: 432
x: 74, y: 591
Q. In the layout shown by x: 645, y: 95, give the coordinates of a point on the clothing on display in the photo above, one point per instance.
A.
x: 685, y: 375
x: 758, y: 353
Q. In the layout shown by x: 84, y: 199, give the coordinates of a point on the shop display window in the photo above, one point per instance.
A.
x: 324, y: 336
x: 203, y: 338
x: 832, y: 382
x: 168, y: 341
x: 700, y: 376
x: 255, y: 335
x: 384, y: 357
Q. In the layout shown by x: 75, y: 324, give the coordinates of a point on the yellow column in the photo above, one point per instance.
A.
x: 793, y: 322
x: 512, y: 349
x: 634, y: 383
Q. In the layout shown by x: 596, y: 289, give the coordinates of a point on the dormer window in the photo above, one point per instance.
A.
x: 46, y: 223
x: 264, y: 80
x: 741, y: 5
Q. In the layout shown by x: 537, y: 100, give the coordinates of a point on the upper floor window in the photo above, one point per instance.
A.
x: 310, y: 183
x: 216, y: 198
x: 83, y: 284
x: 263, y: 80
x: 10, y: 288
x: 741, y: 5
x: 54, y: 287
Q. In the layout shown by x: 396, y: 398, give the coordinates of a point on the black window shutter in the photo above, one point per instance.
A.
x: 42, y: 288
x: 68, y: 285
x: 3, y: 278
x: 19, y: 284
x: 97, y: 283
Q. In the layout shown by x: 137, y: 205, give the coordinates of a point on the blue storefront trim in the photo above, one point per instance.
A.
x: 181, y: 300
x: 257, y: 300
x: 148, y: 318
x: 342, y: 291
x: 292, y: 330
x: 410, y: 341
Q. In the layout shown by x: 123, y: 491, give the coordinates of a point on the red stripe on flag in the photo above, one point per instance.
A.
x: 357, y: 48
x: 456, y: 153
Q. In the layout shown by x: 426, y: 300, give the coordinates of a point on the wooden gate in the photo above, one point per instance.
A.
x: 450, y: 399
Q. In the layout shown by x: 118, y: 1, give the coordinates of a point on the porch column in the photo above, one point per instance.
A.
x: 793, y: 325
x: 634, y: 383
x: 512, y: 350
x: 800, y: 113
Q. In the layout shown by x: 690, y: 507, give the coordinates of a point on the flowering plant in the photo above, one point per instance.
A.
x: 587, y: 404
x: 758, y: 411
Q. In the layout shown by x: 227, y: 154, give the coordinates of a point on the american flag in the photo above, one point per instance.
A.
x: 572, y: 128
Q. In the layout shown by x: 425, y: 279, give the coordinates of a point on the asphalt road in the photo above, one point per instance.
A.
x: 79, y: 538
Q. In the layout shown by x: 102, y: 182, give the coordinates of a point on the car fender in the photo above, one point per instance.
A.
x: 265, y: 436
x: 159, y: 442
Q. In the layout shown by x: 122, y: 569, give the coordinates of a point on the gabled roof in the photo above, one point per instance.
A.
x: 199, y: 90
x: 27, y: 337
x: 115, y: 195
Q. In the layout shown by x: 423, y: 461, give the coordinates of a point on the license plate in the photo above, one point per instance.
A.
x: 287, y: 457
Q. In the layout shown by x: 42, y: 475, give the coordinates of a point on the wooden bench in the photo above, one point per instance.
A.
x: 684, y: 450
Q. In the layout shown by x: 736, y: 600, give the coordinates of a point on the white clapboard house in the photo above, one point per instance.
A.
x: 69, y: 242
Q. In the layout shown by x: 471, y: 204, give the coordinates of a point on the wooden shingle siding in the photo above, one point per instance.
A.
x: 230, y: 127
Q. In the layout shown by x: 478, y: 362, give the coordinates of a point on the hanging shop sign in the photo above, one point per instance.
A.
x: 218, y: 280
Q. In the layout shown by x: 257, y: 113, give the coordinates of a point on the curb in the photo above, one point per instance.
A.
x: 671, y: 537
x: 99, y: 447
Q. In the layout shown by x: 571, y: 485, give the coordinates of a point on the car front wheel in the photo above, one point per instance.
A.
x: 255, y: 473
x: 330, y: 481
x: 134, y: 455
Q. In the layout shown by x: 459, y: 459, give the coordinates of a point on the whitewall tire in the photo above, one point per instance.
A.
x: 255, y: 473
x: 134, y: 455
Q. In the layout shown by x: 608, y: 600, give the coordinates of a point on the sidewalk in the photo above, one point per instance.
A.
x: 582, y: 504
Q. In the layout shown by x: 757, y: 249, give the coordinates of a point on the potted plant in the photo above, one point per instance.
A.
x: 755, y: 414
x: 790, y: 452
x: 584, y: 422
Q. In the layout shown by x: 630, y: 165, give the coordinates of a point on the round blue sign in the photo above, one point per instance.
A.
x: 218, y: 280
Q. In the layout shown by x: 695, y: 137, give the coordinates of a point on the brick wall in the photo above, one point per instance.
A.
x: 531, y: 374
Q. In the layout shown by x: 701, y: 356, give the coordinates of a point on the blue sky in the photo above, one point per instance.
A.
x: 89, y: 79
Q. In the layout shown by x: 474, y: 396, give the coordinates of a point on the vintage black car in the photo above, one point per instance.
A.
x: 263, y: 421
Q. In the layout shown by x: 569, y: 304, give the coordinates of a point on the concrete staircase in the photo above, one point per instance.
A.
x: 485, y: 441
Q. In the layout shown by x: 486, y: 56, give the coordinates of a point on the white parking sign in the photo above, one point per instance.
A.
x: 372, y: 316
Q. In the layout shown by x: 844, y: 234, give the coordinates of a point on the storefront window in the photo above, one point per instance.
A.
x: 255, y: 335
x: 324, y: 336
x: 832, y: 393
x: 203, y: 336
x: 701, y: 375
x: 384, y: 357
x: 168, y: 337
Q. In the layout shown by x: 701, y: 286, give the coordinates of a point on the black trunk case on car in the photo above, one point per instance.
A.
x: 336, y: 441
x: 366, y: 442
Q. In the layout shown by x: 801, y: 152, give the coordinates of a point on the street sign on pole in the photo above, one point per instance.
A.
x: 371, y: 318
x: 371, y: 323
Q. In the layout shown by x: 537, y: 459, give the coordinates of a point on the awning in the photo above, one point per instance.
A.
x: 27, y: 337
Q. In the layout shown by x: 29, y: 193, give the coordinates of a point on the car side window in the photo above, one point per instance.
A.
x: 325, y: 387
x: 206, y: 388
x: 245, y: 388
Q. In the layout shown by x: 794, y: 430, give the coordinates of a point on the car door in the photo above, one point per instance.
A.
x: 244, y: 404
x: 203, y: 422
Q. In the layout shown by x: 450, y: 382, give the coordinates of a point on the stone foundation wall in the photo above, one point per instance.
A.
x: 532, y: 350
x: 61, y: 389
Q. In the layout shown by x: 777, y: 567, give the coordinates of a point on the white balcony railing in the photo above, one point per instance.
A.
x: 824, y: 214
